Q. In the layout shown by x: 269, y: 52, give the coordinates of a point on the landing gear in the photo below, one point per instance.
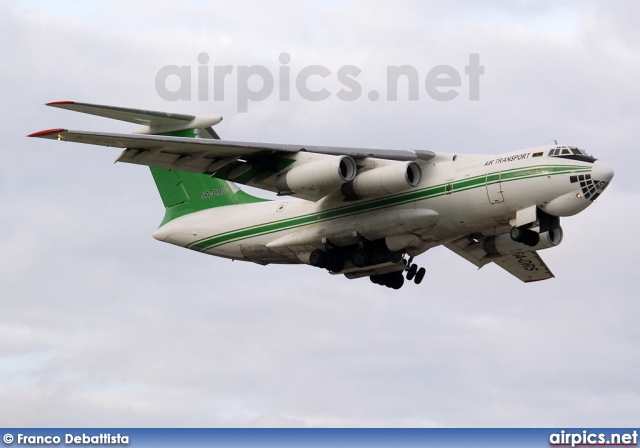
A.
x: 524, y: 236
x: 361, y: 257
x: 415, y: 274
x: 368, y: 255
x: 335, y: 261
x: 412, y: 272
x: 394, y: 280
x: 330, y: 259
x: 318, y: 258
x: 419, y: 276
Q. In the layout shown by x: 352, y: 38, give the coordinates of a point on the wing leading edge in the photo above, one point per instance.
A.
x: 249, y: 163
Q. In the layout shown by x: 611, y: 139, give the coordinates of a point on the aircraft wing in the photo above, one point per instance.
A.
x: 525, y: 265
x: 249, y: 163
x: 259, y: 165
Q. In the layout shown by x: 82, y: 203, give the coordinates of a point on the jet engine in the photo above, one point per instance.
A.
x: 504, y: 245
x: 328, y: 172
x: 392, y: 178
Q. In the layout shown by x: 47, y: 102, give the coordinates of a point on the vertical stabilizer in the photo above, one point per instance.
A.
x: 183, y: 192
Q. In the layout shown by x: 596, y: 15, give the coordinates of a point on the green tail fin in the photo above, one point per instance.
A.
x: 184, y: 192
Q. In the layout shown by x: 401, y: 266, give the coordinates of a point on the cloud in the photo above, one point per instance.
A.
x: 104, y: 326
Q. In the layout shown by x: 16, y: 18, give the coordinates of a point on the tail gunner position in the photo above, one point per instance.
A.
x: 353, y: 211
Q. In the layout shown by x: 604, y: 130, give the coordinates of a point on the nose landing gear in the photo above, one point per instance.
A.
x: 525, y: 236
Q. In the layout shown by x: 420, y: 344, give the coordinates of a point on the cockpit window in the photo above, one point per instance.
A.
x: 567, y: 151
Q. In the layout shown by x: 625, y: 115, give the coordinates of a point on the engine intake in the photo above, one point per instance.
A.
x: 392, y: 178
x: 325, y: 173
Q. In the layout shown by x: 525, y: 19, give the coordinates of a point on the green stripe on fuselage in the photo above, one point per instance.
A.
x: 386, y: 202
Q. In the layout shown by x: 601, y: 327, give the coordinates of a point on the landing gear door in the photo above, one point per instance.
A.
x: 494, y: 188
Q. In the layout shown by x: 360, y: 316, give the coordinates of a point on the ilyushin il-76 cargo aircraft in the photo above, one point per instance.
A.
x: 353, y: 211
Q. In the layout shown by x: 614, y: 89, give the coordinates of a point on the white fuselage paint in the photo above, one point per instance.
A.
x: 461, y: 195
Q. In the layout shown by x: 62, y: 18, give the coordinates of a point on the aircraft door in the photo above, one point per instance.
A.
x: 494, y: 188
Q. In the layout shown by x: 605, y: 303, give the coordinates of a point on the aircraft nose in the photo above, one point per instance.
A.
x: 601, y: 172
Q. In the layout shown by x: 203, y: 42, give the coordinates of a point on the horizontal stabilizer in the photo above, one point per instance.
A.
x: 138, y: 116
x: 154, y: 122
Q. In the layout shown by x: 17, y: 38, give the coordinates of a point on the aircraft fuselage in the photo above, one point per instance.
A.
x: 459, y: 195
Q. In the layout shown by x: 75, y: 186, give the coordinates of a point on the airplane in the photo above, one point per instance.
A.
x: 356, y: 212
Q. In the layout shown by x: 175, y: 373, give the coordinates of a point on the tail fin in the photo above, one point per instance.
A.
x: 183, y: 192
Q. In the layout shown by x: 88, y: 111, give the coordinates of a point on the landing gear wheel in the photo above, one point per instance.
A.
x: 361, y: 258
x: 395, y: 257
x: 394, y: 280
x: 419, y: 276
x: 517, y: 234
x: 397, y: 281
x: 335, y: 262
x: 412, y: 272
x: 531, y: 238
x: 524, y: 236
x: 318, y: 258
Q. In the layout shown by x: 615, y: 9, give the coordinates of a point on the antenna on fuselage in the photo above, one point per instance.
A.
x: 555, y: 141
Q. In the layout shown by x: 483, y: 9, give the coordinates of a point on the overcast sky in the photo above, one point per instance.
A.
x: 101, y: 325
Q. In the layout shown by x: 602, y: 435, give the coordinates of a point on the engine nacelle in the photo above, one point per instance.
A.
x: 504, y: 245
x: 328, y: 172
x: 392, y: 178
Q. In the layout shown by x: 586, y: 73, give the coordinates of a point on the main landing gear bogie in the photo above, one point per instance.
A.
x: 366, y: 254
x: 393, y: 280
x: 331, y: 260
